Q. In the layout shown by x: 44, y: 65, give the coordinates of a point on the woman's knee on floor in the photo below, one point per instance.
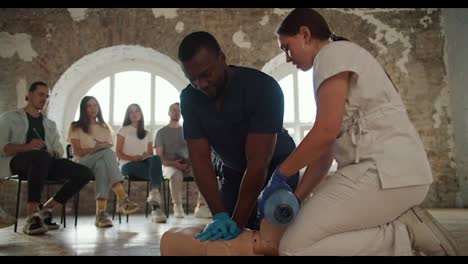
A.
x: 295, y: 240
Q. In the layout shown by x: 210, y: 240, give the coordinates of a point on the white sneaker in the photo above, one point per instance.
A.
x: 154, y: 197
x: 427, y: 236
x: 6, y: 219
x: 158, y: 216
x: 202, y: 212
x: 178, y: 211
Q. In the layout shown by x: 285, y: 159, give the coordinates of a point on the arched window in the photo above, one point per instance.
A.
x: 299, y: 103
x: 152, y: 92
x: 299, y: 100
x: 118, y: 76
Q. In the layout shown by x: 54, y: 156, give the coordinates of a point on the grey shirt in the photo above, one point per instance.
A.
x: 173, y: 143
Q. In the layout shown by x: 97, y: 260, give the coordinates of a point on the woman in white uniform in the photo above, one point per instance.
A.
x: 370, y: 205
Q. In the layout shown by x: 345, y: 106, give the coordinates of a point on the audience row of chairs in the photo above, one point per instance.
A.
x: 76, y: 199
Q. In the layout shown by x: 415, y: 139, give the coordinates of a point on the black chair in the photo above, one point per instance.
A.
x: 76, y: 198
x: 131, y: 178
x: 48, y: 182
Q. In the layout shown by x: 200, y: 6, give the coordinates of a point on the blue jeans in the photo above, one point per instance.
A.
x: 148, y: 169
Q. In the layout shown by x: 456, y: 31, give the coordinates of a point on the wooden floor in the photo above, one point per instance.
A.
x: 141, y: 236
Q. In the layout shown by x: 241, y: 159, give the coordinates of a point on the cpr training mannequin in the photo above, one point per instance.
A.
x: 179, y: 241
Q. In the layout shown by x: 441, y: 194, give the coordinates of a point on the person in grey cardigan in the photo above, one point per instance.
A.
x: 30, y: 147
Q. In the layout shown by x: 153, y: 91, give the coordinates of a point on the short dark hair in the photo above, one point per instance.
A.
x: 193, y: 42
x: 34, y: 86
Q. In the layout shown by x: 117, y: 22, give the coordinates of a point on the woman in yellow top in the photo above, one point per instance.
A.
x: 91, y: 139
x: 369, y: 206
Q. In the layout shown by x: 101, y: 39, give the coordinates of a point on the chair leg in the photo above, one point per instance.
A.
x: 163, y: 190
x: 166, y: 197
x: 113, y: 209
x: 187, y: 199
x: 128, y: 193
x: 64, y: 215
x: 77, y: 200
x: 18, y: 196
x: 147, y: 194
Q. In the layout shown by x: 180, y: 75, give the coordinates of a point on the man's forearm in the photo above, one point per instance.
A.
x: 12, y: 149
x: 207, y: 183
x: 250, y: 188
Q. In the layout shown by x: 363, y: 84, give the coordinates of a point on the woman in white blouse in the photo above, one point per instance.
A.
x: 91, y: 139
x: 370, y: 205
x: 134, y: 149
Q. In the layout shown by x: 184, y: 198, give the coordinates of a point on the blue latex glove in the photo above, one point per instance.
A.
x: 277, y: 181
x: 222, y: 227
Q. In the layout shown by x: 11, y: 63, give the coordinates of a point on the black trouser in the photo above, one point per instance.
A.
x: 230, y: 185
x: 36, y: 166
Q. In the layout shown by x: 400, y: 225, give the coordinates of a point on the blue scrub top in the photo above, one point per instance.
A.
x: 252, y: 103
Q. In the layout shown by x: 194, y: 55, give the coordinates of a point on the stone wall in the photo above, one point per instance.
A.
x: 41, y: 44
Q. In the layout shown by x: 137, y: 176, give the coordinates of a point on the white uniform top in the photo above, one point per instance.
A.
x: 375, y: 128
x: 132, y: 145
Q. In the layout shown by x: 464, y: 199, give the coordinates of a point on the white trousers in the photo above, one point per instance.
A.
x: 350, y: 217
x: 176, y: 177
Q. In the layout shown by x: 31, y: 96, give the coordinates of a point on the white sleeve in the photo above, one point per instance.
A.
x: 122, y: 132
x: 340, y: 56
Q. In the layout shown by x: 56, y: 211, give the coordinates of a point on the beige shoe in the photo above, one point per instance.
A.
x: 154, y: 197
x: 34, y: 225
x: 178, y: 211
x: 125, y: 206
x: 427, y: 236
x: 103, y: 220
x: 158, y: 216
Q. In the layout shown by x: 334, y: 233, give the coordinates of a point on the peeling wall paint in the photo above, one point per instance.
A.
x: 239, y: 38
x: 77, y: 14
x: 441, y: 104
x: 425, y: 21
x: 179, y: 27
x: 281, y: 11
x: 19, y: 43
x: 167, y: 13
x: 21, y: 92
x: 407, y: 42
x: 264, y: 20
x: 385, y: 32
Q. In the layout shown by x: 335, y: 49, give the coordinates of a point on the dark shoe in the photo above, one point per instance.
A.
x: 34, y: 225
x: 46, y: 216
